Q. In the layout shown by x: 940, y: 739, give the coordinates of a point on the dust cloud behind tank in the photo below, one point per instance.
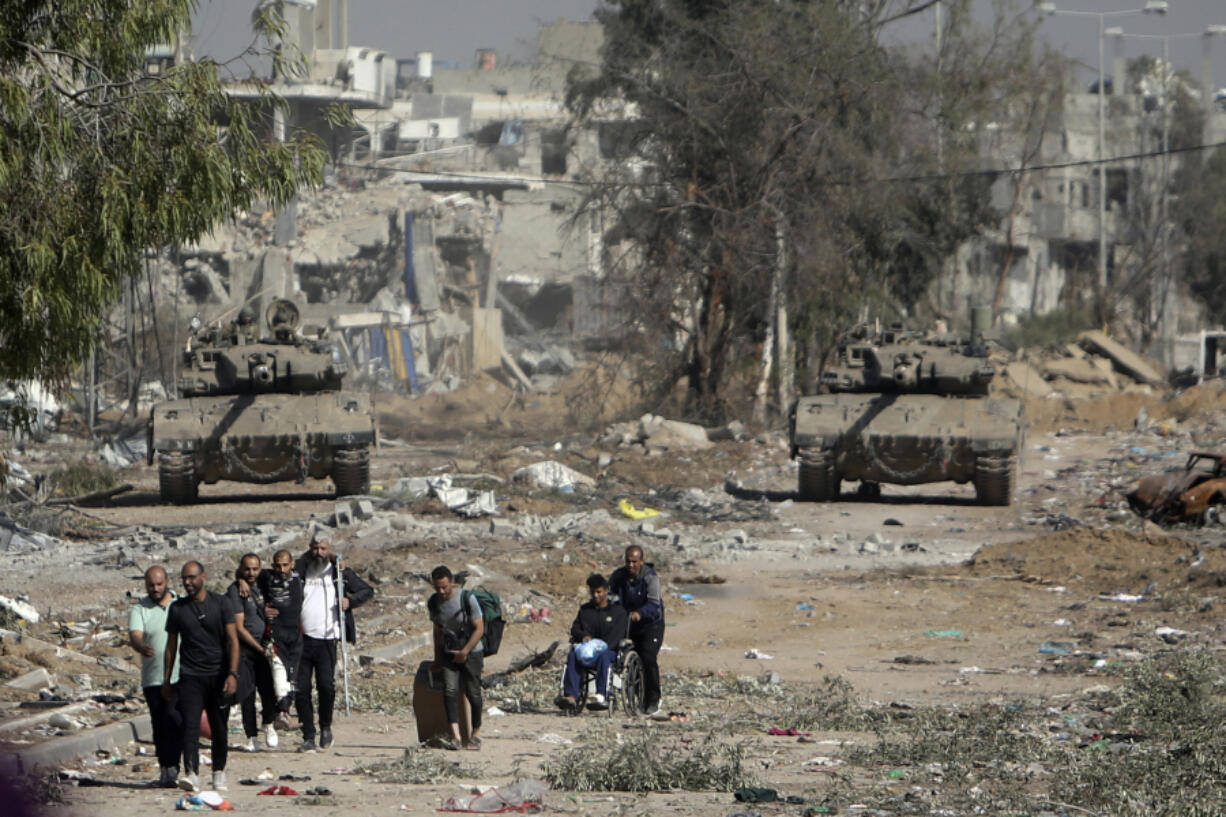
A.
x: 906, y: 408
x: 261, y: 410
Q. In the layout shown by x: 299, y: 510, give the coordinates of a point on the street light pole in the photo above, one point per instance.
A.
x: 1151, y: 7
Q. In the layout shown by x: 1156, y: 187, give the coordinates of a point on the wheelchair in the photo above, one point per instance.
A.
x: 626, y: 689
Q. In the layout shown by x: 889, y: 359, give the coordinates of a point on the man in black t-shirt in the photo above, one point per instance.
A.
x: 255, y: 673
x: 200, y: 631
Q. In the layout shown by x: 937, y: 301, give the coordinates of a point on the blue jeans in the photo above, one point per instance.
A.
x: 573, y: 678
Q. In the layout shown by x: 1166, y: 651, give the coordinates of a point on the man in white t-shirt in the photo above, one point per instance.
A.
x: 147, y: 635
x: 322, y: 628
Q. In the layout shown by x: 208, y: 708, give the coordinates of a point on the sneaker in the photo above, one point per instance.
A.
x: 599, y: 702
x: 219, y: 782
x: 270, y: 735
x: 325, y: 737
x: 307, y: 745
x: 189, y: 781
x: 249, y: 746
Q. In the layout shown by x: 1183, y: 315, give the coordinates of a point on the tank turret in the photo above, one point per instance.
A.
x: 906, y: 408
x: 916, y: 368
x: 261, y: 410
x: 230, y: 360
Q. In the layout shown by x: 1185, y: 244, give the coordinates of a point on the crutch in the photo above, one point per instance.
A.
x: 340, y: 614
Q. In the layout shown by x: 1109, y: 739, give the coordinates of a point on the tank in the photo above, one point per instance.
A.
x: 261, y: 410
x: 906, y: 409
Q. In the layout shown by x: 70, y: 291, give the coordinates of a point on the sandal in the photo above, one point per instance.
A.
x: 473, y: 745
x: 448, y: 744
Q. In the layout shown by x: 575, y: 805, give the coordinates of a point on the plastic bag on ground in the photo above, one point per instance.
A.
x: 522, y: 797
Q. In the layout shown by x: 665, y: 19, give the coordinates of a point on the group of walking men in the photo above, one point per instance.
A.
x: 203, y: 651
x: 272, y: 635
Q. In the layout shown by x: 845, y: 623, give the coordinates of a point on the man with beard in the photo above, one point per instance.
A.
x: 282, y: 591
x: 322, y: 628
x: 255, y: 673
x: 147, y: 635
x: 637, y: 587
x: 204, y: 623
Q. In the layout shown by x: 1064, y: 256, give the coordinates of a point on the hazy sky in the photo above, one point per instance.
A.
x: 454, y: 29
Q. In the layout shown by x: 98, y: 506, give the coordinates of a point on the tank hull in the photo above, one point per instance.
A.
x: 906, y: 439
x: 262, y: 438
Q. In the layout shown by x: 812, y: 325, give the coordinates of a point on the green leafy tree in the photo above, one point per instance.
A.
x: 752, y: 202
x: 102, y: 160
x: 1200, y: 211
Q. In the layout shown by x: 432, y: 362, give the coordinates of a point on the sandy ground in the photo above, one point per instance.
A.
x: 952, y: 609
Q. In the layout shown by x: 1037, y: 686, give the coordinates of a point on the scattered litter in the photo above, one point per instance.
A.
x: 278, y: 791
x: 1056, y: 648
x: 943, y: 633
x: 794, y: 733
x: 523, y: 797
x: 631, y: 512
x: 494, y: 712
x: 754, y: 652
x: 804, y: 605
x: 1125, y: 597
x: 554, y: 739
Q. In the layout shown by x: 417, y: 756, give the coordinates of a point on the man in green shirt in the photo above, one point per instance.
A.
x: 147, y: 635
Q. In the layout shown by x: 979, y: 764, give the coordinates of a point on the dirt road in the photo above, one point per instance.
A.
x: 920, y: 597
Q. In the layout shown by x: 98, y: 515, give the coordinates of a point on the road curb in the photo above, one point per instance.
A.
x: 58, y: 751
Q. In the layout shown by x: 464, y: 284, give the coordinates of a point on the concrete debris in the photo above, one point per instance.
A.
x: 656, y: 432
x: 22, y: 609
x: 33, y: 680
x: 552, y: 475
x: 15, y: 538
x: 125, y: 452
x: 1131, y: 364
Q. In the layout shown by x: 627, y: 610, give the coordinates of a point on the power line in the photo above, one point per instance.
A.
x: 477, y: 179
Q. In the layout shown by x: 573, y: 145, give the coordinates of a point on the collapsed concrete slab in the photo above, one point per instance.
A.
x: 1128, y: 362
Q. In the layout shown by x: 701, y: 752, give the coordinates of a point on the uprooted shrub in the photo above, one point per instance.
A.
x: 605, y: 760
x: 418, y: 766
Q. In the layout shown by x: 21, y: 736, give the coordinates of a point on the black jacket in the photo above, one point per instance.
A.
x: 357, y: 591
x: 609, y: 624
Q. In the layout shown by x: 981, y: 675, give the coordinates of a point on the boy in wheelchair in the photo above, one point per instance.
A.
x: 598, y: 630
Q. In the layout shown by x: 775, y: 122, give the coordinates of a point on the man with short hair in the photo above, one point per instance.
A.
x: 599, y: 619
x: 255, y: 673
x: 203, y: 623
x: 282, y: 591
x: 147, y: 635
x: 458, y: 652
x: 322, y: 628
x: 637, y: 586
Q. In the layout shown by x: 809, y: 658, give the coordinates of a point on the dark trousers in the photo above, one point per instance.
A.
x: 167, y: 725
x: 318, y: 659
x: 647, y: 644
x: 572, y: 680
x: 467, y: 675
x: 289, y: 650
x: 202, y: 693
x: 256, y: 678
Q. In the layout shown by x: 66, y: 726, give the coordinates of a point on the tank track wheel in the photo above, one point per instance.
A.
x: 819, y: 481
x: 994, y: 480
x: 177, y: 477
x: 351, y: 471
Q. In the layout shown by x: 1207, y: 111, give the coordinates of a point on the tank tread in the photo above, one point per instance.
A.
x: 819, y: 480
x: 994, y: 480
x: 177, y: 477
x: 351, y: 471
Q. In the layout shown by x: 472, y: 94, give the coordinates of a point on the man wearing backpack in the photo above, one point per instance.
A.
x: 458, y: 652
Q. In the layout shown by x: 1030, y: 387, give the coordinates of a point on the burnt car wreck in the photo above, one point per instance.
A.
x: 1196, y: 493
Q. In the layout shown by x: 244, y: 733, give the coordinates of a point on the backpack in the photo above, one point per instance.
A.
x: 491, y: 613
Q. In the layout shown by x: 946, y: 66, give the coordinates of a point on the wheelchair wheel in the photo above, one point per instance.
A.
x: 633, y: 688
